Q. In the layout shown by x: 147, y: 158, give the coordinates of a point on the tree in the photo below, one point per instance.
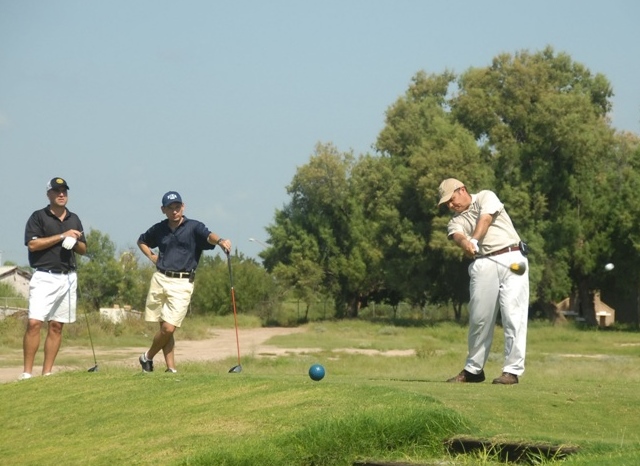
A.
x: 375, y: 192
x: 322, y: 240
x: 541, y: 122
x: 134, y: 282
x: 426, y: 145
x: 254, y: 288
x: 99, y: 273
x: 294, y: 260
x: 532, y: 127
x: 624, y: 215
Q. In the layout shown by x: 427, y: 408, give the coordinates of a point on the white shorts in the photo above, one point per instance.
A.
x: 168, y: 299
x: 53, y: 297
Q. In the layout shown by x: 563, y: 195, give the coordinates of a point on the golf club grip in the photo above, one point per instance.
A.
x: 230, y: 272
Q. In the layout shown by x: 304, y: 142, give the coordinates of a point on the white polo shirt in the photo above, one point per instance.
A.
x: 501, y: 232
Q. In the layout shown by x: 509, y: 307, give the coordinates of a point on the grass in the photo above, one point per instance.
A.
x: 580, y: 389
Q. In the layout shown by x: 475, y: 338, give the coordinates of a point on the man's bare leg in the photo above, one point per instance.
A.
x: 161, y: 340
x: 52, y: 345
x: 30, y: 344
x: 167, y: 350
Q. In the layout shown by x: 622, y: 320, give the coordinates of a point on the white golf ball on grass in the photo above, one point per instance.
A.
x: 609, y: 267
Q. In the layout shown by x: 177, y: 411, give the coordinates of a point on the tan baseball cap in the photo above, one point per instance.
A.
x: 446, y: 189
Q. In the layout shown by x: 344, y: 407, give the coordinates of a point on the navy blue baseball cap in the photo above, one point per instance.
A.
x: 171, y: 197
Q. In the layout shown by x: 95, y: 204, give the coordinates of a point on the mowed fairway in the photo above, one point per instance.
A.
x: 383, y: 398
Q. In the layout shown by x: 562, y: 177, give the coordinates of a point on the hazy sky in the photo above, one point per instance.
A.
x: 222, y: 101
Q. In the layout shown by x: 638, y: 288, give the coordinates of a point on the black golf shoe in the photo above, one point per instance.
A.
x: 147, y: 364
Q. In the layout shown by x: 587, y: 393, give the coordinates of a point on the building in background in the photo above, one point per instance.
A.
x: 16, y: 278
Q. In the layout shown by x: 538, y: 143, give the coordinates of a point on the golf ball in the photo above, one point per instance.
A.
x: 316, y: 372
x: 609, y: 267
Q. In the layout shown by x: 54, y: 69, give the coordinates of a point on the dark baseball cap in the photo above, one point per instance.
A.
x: 55, y: 183
x: 171, y: 197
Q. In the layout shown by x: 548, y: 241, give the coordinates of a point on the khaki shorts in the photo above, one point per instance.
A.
x: 168, y: 299
x: 53, y: 297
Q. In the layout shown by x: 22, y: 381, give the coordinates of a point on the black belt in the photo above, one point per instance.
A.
x: 56, y: 272
x: 512, y: 248
x: 172, y: 274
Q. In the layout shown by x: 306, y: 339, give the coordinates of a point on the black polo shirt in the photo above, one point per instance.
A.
x: 43, y: 223
x: 179, y: 250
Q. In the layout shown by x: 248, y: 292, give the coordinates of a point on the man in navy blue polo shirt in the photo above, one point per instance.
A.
x: 53, y: 235
x: 180, y: 242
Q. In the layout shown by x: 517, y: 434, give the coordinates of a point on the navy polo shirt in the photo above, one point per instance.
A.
x: 179, y: 250
x: 43, y: 223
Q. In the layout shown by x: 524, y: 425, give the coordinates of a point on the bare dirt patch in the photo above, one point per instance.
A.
x: 372, y: 352
x: 221, y: 345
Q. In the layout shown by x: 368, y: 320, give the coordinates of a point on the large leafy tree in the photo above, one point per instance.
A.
x: 541, y: 121
x: 322, y: 241
x: 426, y: 145
x: 532, y: 127
x: 624, y: 215
x: 294, y: 259
x: 376, y: 189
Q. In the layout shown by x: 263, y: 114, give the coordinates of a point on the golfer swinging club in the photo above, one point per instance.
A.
x: 180, y: 242
x: 482, y: 228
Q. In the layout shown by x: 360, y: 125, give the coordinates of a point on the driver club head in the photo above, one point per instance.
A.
x: 93, y: 369
x: 236, y: 369
x: 518, y: 268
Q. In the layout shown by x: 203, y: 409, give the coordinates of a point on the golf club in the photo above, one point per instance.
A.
x: 86, y: 319
x: 95, y: 362
x: 519, y: 268
x: 237, y: 368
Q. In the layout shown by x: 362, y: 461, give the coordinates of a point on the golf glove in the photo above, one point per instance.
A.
x: 475, y: 244
x: 69, y: 242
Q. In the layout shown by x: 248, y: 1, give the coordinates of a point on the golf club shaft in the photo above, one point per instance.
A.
x: 495, y: 260
x: 517, y: 268
x: 235, y: 318
x: 233, y: 303
x: 86, y: 319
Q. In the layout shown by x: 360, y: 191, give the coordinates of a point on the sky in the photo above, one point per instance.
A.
x: 224, y: 101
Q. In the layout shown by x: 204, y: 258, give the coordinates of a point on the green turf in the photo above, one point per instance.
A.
x: 580, y: 389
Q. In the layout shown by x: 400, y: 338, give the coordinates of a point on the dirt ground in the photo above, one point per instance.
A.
x: 221, y: 345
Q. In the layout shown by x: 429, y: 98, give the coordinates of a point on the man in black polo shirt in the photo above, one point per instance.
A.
x: 53, y: 235
x: 180, y: 242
